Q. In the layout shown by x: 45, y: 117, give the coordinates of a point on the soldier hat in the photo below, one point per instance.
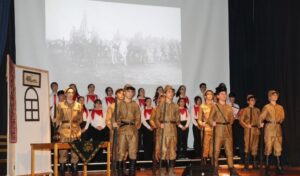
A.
x: 271, y: 92
x: 128, y: 87
x: 250, y: 96
x: 167, y: 87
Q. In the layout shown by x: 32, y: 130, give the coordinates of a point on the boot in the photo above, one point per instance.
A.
x: 171, y: 168
x: 132, y: 167
x: 119, y: 168
x: 62, y: 169
x: 74, y: 169
x: 216, y: 171
x: 255, y: 166
x: 154, y: 168
x: 279, y: 169
x: 246, y: 162
x: 203, y: 161
x: 267, y: 166
x: 163, y: 169
x: 233, y: 172
x: 123, y: 168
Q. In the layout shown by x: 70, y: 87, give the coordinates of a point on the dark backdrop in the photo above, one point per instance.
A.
x: 265, y: 54
x: 7, y: 46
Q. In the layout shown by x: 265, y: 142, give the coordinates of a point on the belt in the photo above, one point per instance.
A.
x: 65, y: 121
x: 276, y: 123
x: 254, y: 126
x: 127, y: 123
x: 222, y: 123
x: 172, y: 122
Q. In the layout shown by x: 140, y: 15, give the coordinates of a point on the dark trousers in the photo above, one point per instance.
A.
x: 197, y: 141
x: 182, y: 139
x: 97, y: 135
x: 148, y: 143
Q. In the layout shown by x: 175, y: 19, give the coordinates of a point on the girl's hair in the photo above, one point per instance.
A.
x: 183, y: 100
x: 178, y: 90
x: 156, y: 93
x: 139, y: 92
x: 106, y: 90
x: 197, y: 98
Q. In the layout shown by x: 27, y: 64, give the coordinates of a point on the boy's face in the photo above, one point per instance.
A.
x: 54, y: 87
x: 169, y: 94
x: 274, y: 97
x: 120, y: 95
x: 203, y: 88
x: 129, y: 94
x: 252, y: 101
x: 222, y: 96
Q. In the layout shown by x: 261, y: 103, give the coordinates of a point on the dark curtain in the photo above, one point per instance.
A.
x: 7, y: 46
x: 265, y: 54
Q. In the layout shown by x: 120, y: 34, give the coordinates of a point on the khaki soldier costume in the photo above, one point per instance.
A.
x: 68, y: 118
x: 204, y: 111
x: 168, y: 115
x: 273, y: 115
x: 129, y: 120
x: 250, y: 116
x: 222, y: 116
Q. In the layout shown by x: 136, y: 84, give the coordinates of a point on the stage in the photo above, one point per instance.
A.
x: 289, y: 171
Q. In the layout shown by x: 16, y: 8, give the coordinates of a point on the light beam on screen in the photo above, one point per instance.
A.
x: 113, y: 43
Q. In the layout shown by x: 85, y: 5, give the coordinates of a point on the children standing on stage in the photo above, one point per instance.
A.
x: 141, y: 98
x: 166, y: 119
x: 76, y: 94
x: 95, y: 127
x: 250, y: 121
x: 204, y: 113
x: 85, y: 113
x: 196, y: 127
x: 181, y: 93
x: 147, y: 129
x: 91, y: 97
x: 109, y: 99
x: 183, y: 128
x: 159, y: 91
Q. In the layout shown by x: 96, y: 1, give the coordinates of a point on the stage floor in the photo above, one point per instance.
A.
x: 289, y: 171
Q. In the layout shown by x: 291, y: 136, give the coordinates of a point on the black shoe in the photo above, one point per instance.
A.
x: 203, y: 161
x: 216, y: 171
x: 62, y: 169
x: 233, y: 172
x: 119, y: 168
x: 267, y: 167
x: 171, y: 167
x: 246, y: 162
x: 279, y: 169
x: 132, y: 167
x: 255, y: 165
x: 154, y: 167
x: 74, y: 169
